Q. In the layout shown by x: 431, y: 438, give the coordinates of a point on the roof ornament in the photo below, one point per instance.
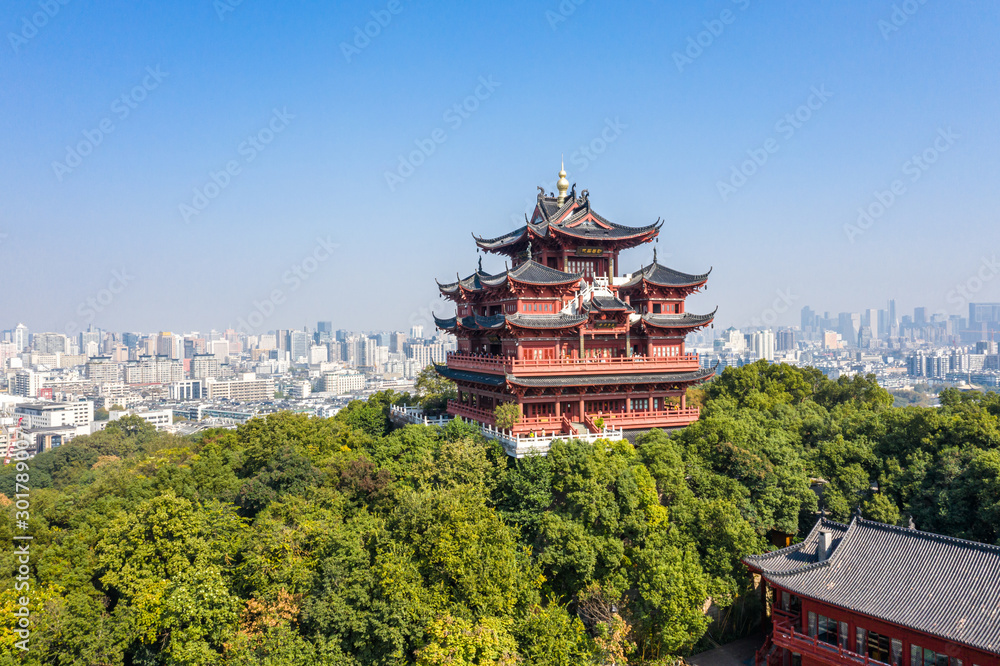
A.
x: 572, y: 192
x: 541, y: 192
x: 480, y: 263
x: 529, y: 250
x: 654, y: 255
x: 562, y: 184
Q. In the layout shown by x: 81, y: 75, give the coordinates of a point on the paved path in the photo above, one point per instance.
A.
x: 737, y: 653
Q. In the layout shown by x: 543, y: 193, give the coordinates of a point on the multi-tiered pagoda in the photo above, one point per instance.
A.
x: 566, y: 338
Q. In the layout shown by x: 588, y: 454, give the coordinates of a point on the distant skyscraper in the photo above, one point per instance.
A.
x: 988, y: 313
x: 298, y: 345
x: 417, y: 332
x: 919, y: 316
x: 21, y: 337
x: 893, y: 321
x: 808, y: 318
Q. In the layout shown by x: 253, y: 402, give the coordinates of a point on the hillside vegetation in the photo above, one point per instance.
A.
x: 295, y: 541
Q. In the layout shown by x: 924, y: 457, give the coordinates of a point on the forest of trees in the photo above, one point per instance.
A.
x: 348, y: 542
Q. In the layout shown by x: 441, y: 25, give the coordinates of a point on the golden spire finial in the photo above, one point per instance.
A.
x: 563, y: 184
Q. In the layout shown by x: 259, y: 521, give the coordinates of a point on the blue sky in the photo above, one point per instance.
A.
x: 306, y: 225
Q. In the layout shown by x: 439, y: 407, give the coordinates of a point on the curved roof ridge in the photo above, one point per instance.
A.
x: 933, y: 536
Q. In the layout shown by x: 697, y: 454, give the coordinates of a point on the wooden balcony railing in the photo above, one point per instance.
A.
x: 537, y: 424
x: 648, y: 418
x: 784, y: 634
x: 570, y: 366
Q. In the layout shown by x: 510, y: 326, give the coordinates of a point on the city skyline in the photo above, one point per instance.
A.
x: 859, y: 155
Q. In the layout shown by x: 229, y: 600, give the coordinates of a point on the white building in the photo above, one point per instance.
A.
x: 159, y: 418
x: 53, y: 414
x: 340, y: 383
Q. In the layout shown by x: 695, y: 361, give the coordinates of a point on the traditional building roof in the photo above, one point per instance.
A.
x: 607, y: 304
x: 662, y: 276
x: 478, y: 322
x: 472, y: 283
x: 604, y: 380
x: 574, y: 219
x: 799, y: 554
x: 466, y: 376
x: 584, y: 380
x: 532, y: 272
x: 683, y: 320
x: 527, y: 272
x: 472, y: 322
x: 938, y: 585
x: 546, y: 321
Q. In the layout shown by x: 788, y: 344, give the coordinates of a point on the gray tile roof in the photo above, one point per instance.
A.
x: 662, y: 276
x: 938, y: 585
x: 607, y: 303
x: 799, y: 554
x: 478, y: 322
x: 582, y: 223
x: 604, y: 380
x: 529, y: 272
x: 683, y: 320
x: 546, y: 321
x: 584, y: 380
x: 466, y: 376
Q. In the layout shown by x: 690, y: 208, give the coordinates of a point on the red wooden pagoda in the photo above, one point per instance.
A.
x: 870, y: 594
x: 566, y: 338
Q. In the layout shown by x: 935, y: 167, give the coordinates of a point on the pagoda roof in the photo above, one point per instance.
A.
x: 582, y: 380
x: 683, y: 320
x: 800, y: 554
x: 472, y: 322
x: 467, y: 376
x: 527, y: 272
x: 935, y: 584
x: 607, y: 304
x: 481, y: 323
x: 575, y: 218
x: 605, y: 380
x: 546, y: 321
x: 662, y: 276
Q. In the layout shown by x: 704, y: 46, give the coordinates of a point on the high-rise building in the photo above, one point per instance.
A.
x: 919, y: 316
x: 762, y: 344
x: 204, y: 366
x: 21, y: 337
x: 785, y: 340
x: 103, y: 370
x: 417, y: 332
x: 298, y: 345
x: 49, y: 343
x: 988, y: 313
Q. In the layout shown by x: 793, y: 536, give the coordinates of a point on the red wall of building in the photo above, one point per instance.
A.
x: 968, y: 655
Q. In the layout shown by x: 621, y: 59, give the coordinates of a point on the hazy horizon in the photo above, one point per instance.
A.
x: 239, y: 149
